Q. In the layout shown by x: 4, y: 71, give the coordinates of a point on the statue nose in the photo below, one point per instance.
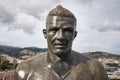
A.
x: 60, y: 34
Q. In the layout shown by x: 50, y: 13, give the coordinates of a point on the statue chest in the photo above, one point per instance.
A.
x: 79, y: 72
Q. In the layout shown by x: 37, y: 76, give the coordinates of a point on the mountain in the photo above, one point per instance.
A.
x: 9, y: 50
x: 30, y: 51
x: 18, y: 52
x: 105, y: 55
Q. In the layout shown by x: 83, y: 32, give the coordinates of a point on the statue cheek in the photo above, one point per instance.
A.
x: 69, y: 36
x: 50, y: 37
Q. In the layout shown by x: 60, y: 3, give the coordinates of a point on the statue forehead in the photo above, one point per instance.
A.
x: 59, y: 18
x: 54, y: 20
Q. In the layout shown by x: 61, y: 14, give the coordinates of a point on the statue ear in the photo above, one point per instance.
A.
x: 75, y: 34
x: 44, y: 32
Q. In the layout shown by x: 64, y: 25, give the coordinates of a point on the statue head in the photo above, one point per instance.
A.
x: 60, y: 30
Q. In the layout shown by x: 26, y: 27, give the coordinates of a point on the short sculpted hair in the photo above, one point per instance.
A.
x: 61, y: 12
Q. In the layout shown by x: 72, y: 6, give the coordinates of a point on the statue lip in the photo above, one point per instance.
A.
x: 60, y: 45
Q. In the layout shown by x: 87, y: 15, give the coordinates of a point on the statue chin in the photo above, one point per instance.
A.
x: 60, y: 52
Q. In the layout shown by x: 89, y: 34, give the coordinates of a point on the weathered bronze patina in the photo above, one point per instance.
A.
x: 60, y: 62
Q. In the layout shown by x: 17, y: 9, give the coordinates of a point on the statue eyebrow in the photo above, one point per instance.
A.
x: 69, y: 29
x: 53, y: 28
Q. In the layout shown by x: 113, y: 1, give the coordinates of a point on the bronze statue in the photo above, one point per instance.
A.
x: 60, y: 62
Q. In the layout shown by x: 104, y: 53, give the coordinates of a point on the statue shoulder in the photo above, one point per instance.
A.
x: 22, y: 70
x: 32, y: 61
x: 79, y: 57
x: 25, y: 67
x: 97, y: 70
x: 94, y: 64
x: 91, y: 70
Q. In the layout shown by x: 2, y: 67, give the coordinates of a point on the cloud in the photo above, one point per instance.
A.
x: 23, y: 14
x: 5, y: 15
x: 107, y: 25
x: 83, y: 2
x: 89, y: 2
x: 33, y: 7
x: 97, y: 41
x: 25, y: 22
x: 18, y: 14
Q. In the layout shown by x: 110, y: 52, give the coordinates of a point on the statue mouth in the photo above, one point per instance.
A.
x: 60, y: 45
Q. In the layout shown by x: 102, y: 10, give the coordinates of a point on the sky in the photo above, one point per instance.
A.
x: 98, y: 23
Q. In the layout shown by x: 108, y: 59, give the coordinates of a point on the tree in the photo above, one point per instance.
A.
x: 5, y: 65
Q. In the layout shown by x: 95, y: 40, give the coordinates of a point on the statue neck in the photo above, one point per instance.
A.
x: 53, y: 58
x: 60, y: 64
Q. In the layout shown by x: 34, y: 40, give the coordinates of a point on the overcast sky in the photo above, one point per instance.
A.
x: 98, y: 23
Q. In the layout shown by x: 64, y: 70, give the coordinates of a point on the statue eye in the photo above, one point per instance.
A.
x: 68, y: 29
x: 54, y: 30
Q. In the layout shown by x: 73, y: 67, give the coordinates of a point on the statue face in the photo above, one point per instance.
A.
x: 60, y: 34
